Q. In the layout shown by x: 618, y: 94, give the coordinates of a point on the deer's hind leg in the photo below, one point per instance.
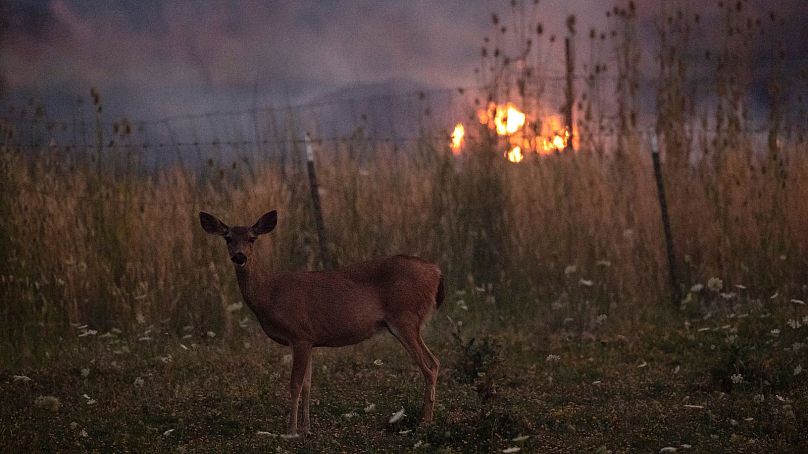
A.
x: 410, y: 337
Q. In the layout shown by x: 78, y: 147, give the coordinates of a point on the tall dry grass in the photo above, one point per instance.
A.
x: 97, y: 238
x: 81, y: 246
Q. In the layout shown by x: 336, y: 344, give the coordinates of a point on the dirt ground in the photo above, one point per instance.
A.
x: 732, y: 383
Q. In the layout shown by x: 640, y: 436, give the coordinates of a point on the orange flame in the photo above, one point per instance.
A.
x: 515, y: 154
x: 457, y: 138
x: 505, y: 119
x: 523, y: 135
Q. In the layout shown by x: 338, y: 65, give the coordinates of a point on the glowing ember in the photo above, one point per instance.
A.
x: 515, y: 155
x: 457, y: 138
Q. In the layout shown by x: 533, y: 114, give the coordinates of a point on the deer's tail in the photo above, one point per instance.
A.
x: 440, y: 293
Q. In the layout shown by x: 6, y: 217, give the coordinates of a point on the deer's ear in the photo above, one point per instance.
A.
x: 266, y: 224
x: 212, y: 224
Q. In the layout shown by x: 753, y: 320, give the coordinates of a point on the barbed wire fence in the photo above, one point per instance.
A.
x: 276, y: 136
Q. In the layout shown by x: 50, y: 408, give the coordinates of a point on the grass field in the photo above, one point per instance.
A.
x: 732, y: 382
x: 122, y: 328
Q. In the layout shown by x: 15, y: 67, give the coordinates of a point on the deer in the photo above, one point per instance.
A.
x: 335, y: 308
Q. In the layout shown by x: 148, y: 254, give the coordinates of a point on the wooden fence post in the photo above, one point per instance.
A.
x: 676, y: 293
x: 325, y: 256
x: 569, y: 91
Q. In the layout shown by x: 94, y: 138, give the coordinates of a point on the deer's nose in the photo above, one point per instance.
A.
x: 239, y: 258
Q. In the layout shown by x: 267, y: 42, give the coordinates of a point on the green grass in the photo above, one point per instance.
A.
x: 613, y: 388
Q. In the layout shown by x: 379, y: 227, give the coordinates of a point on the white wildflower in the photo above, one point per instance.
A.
x: 140, y: 319
x: 287, y: 359
x: 570, y: 270
x: 211, y: 334
x: 418, y: 444
x: 139, y: 382
x: 604, y: 263
x: 290, y: 436
x: 378, y: 362
x: 715, y: 284
x: 22, y: 378
x: 168, y: 432
x: 798, y: 370
x: 794, y: 324
x: 736, y: 378
x: 758, y: 398
x: 85, y: 372
x: 520, y: 438
x: 404, y: 432
x: 628, y: 234
x: 350, y: 415
x: 370, y: 408
x: 697, y: 288
x: 601, y: 319
x: 462, y: 305
x: 556, y: 305
x: 775, y: 332
x: 740, y: 286
x: 667, y: 449
x: 262, y: 433
x: 642, y: 364
x: 728, y: 296
x: 800, y: 302
x: 512, y: 449
x: 396, y: 416
x: 586, y: 282
x: 552, y: 358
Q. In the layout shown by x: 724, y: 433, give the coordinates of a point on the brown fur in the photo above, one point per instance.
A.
x: 336, y: 308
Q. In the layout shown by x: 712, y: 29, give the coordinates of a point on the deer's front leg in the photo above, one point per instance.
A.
x: 306, y: 393
x: 301, y: 355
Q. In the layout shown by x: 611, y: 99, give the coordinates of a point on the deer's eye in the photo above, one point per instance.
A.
x: 228, y: 240
x: 251, y: 240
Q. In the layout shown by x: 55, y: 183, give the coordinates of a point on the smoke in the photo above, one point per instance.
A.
x: 155, y: 57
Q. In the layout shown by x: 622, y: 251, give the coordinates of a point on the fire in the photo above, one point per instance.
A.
x: 555, y: 137
x: 508, y: 119
x: 457, y: 138
x: 505, y: 119
x: 544, y: 136
x: 515, y: 155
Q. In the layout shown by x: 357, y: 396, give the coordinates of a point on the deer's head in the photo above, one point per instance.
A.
x: 239, y: 239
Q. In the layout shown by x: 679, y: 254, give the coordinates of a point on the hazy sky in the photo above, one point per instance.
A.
x: 154, y: 57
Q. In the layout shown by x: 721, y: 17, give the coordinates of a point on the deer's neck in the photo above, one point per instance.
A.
x: 253, y: 283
